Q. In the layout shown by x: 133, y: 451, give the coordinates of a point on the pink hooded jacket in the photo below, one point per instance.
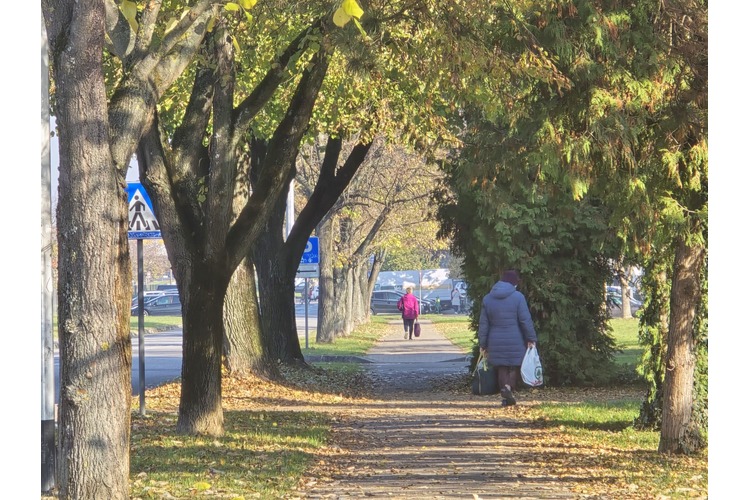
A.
x: 408, y: 306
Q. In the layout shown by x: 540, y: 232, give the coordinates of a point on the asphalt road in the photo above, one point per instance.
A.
x: 163, y: 359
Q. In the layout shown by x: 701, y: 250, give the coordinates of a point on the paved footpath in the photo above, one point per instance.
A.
x: 418, y: 439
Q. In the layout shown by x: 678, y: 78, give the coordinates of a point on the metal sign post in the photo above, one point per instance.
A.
x: 308, y: 268
x: 307, y: 302
x: 142, y: 224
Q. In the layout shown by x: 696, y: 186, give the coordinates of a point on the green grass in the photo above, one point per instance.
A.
x: 355, y: 344
x: 625, y: 333
x: 256, y: 446
x: 601, y: 440
x: 156, y: 323
x: 456, y: 329
x: 597, y: 423
x: 150, y: 324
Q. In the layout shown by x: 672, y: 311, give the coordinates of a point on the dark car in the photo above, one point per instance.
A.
x: 150, y: 295
x: 163, y: 305
x: 386, y: 302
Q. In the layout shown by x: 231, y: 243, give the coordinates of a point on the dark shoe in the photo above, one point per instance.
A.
x: 508, y: 402
x: 507, y: 395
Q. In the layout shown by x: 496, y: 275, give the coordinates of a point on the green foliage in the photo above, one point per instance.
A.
x: 501, y: 219
x: 402, y: 258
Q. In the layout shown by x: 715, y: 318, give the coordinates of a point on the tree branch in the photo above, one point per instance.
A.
x: 278, y: 166
x: 263, y: 92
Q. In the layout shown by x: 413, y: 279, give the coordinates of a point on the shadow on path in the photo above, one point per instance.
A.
x: 420, y: 439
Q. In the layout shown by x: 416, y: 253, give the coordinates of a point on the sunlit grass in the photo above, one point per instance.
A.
x: 157, y: 323
x: 456, y: 329
x: 601, y: 442
x: 355, y: 344
x: 262, y: 454
x: 625, y: 333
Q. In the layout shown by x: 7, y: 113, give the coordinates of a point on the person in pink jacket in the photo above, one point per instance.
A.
x: 409, y: 308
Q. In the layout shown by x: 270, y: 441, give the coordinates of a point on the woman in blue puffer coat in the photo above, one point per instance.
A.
x: 505, y: 332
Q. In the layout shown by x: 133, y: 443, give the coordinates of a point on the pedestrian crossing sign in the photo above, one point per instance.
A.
x: 142, y: 223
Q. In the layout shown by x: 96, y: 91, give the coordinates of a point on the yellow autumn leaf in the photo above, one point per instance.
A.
x: 202, y: 486
x: 248, y: 4
x: 129, y: 10
x: 340, y: 18
x: 231, y: 6
x: 210, y: 25
x: 352, y: 8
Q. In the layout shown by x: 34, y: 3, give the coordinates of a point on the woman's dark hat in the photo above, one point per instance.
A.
x: 510, y: 276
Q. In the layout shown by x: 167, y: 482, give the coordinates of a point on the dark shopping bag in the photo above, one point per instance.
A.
x: 417, y: 329
x: 484, y: 379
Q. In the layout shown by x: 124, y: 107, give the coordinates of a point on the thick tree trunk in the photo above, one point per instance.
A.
x: 326, y: 290
x: 276, y: 292
x: 278, y: 320
x: 202, y: 344
x: 94, y: 285
x: 680, y: 361
x: 244, y: 352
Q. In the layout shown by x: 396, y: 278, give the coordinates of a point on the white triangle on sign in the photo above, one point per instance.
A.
x: 140, y: 216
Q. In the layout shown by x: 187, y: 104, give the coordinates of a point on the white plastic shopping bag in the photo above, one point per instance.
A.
x: 531, y: 368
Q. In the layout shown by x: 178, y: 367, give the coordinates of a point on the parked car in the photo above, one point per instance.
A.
x: 167, y: 304
x: 614, y: 300
x: 147, y: 295
x: 386, y: 302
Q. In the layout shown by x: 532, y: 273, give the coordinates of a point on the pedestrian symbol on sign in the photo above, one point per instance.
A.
x: 142, y: 222
x: 138, y: 220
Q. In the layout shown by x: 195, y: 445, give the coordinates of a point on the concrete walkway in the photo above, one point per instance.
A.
x: 404, y: 365
x: 422, y: 435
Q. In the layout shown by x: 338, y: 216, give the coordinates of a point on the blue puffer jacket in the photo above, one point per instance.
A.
x: 505, y: 325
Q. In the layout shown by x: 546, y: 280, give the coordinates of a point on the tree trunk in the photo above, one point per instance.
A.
x: 627, y: 313
x: 202, y: 344
x: 359, y: 315
x: 348, y: 325
x: 276, y: 292
x: 326, y: 287
x: 244, y: 352
x: 680, y: 361
x: 279, y: 324
x: 373, y: 278
x: 339, y: 299
x: 94, y: 285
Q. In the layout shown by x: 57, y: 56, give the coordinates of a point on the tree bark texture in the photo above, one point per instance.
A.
x: 326, y: 290
x: 359, y: 315
x: 202, y: 346
x: 627, y: 312
x: 348, y: 300
x: 276, y: 291
x: 680, y: 359
x: 279, y: 324
x: 339, y: 299
x: 94, y: 285
x: 244, y: 353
